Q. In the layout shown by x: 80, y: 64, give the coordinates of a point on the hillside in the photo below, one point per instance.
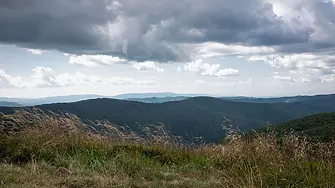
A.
x: 326, y: 101
x: 190, y: 118
x: 59, y: 151
x: 318, y: 126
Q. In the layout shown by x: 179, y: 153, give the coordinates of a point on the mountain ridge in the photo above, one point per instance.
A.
x: 192, y: 117
x: 9, y: 104
x: 155, y: 95
x: 161, y: 98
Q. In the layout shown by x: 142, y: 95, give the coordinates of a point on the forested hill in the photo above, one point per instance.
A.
x: 319, y: 126
x: 192, y: 117
x: 327, y: 100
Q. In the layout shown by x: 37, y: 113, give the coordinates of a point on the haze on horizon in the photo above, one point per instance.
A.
x: 216, y: 47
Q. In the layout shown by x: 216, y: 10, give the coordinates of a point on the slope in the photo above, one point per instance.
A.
x: 318, y: 126
x: 193, y: 117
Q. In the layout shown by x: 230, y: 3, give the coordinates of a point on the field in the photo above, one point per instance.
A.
x: 49, y: 150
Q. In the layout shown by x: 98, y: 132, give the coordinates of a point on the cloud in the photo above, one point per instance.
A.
x: 164, y: 31
x: 211, y: 49
x: 330, y: 78
x: 318, y: 14
x: 106, y: 60
x: 301, y: 79
x: 46, y: 77
x: 148, y: 65
x: 8, y: 81
x: 307, y: 66
x: 206, y: 69
x: 95, y: 60
x: 278, y: 77
x: 35, y: 51
x: 298, y: 61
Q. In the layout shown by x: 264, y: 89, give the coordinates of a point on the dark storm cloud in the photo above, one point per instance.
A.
x: 244, y: 22
x: 146, y: 29
x: 62, y: 24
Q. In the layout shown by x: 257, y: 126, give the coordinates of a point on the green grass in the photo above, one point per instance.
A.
x: 47, y: 154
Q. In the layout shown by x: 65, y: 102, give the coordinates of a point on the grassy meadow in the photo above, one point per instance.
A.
x: 40, y: 149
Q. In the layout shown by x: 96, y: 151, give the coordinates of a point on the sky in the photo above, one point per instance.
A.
x: 219, y: 47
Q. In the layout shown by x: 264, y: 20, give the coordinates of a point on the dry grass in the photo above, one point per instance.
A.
x: 40, y: 149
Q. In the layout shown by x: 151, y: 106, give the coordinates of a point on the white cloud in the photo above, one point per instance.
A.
x: 283, y: 78
x: 211, y: 49
x: 43, y: 77
x: 297, y: 61
x: 330, y: 78
x: 226, y: 72
x: 106, y: 60
x: 35, y: 51
x: 8, y: 81
x: 46, y: 77
x: 276, y: 76
x: 206, y: 69
x: 301, y: 79
x: 303, y: 67
x: 147, y: 65
x: 95, y: 60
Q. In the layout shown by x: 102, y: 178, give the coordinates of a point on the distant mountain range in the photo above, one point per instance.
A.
x: 155, y: 95
x: 47, y: 100
x: 141, y: 97
x: 9, y: 104
x: 281, y: 99
x: 156, y: 98
x: 193, y: 117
